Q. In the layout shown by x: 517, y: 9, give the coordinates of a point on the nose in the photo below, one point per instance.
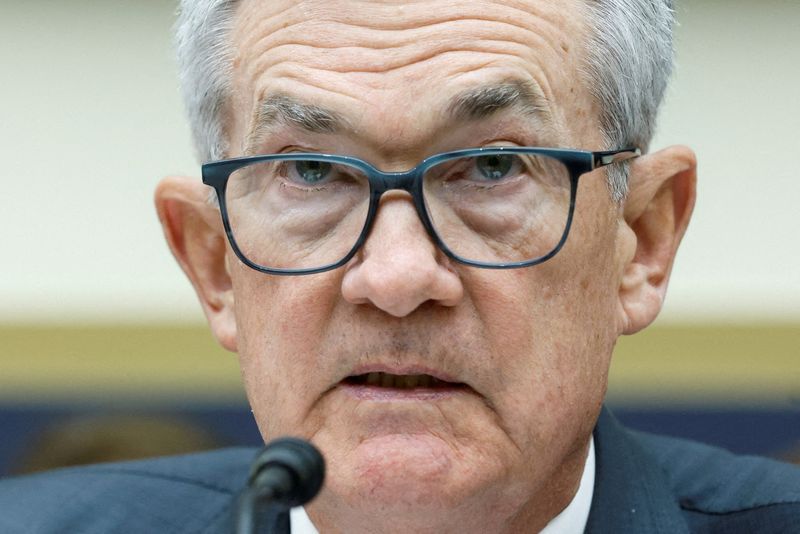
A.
x: 399, y: 267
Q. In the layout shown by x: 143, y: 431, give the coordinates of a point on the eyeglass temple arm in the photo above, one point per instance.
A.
x: 601, y: 159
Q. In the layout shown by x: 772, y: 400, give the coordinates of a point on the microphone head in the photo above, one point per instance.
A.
x: 300, y: 459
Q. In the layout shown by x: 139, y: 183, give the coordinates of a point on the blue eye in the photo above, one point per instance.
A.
x: 312, y: 172
x: 494, y: 167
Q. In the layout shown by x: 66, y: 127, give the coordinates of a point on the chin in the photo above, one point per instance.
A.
x: 401, y: 471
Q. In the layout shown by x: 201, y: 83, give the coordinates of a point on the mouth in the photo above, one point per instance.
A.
x: 388, y: 386
x: 388, y: 380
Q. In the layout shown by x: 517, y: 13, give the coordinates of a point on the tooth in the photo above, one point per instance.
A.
x: 411, y: 381
x: 373, y: 379
x: 387, y: 380
x: 425, y: 381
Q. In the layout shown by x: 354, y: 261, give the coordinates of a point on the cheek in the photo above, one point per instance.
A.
x: 282, y: 322
x: 551, y: 330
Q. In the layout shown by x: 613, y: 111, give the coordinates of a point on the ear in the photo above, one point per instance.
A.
x: 657, y: 211
x: 193, y: 228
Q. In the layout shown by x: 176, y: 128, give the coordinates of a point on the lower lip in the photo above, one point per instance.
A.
x: 375, y: 393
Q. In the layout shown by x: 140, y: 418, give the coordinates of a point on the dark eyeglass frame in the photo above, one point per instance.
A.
x: 577, y: 162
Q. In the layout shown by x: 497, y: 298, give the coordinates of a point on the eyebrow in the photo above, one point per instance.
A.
x: 284, y: 109
x: 472, y: 104
x: 288, y: 110
x: 486, y: 100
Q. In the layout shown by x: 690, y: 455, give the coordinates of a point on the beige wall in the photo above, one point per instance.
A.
x: 90, y: 119
x: 735, y: 101
x: 667, y: 365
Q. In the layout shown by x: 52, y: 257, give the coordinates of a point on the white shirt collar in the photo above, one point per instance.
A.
x: 572, y: 520
x: 300, y: 522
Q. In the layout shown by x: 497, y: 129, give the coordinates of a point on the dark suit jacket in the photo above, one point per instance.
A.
x: 643, y: 484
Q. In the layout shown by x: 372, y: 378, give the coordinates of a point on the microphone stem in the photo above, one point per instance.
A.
x: 272, y: 484
x: 245, y: 517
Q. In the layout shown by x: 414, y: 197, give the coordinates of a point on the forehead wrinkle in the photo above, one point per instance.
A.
x: 368, y: 40
x: 387, y: 17
x: 331, y: 34
x: 373, y: 57
x: 301, y: 78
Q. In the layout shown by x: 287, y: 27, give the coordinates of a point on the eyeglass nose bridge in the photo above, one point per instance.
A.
x: 389, y: 181
x: 409, y: 181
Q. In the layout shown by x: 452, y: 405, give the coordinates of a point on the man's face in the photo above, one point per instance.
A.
x: 528, y: 348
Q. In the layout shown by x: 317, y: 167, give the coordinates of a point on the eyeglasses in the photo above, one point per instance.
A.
x: 494, y: 207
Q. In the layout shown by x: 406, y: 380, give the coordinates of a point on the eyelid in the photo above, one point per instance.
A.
x: 498, y: 144
x: 513, y: 139
x: 293, y: 149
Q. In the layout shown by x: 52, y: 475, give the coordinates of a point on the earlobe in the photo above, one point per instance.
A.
x: 193, y: 229
x: 657, y: 211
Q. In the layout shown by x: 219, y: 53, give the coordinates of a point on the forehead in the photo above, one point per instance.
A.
x: 398, y: 66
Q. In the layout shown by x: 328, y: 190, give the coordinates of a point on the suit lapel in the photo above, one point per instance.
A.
x: 631, y: 492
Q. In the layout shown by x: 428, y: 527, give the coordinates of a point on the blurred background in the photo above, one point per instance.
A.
x: 102, y: 343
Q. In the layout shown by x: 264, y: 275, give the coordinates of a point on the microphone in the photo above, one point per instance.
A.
x: 289, y: 472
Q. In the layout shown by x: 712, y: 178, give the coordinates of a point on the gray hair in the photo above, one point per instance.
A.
x: 628, y: 65
x: 205, y: 69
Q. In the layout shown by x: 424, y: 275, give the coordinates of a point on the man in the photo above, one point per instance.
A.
x: 440, y: 326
